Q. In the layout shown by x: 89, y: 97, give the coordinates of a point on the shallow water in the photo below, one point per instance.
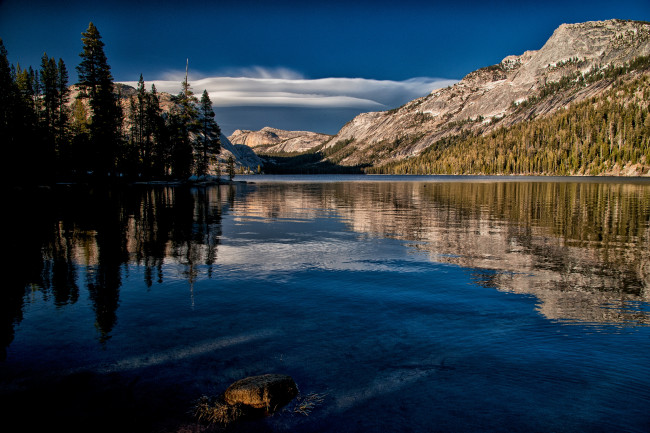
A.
x: 409, y: 303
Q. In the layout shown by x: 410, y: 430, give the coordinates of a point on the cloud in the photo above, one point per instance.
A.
x: 254, y: 97
x: 267, y: 98
x: 281, y: 87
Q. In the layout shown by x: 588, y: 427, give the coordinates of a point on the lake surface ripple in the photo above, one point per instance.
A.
x: 426, y: 304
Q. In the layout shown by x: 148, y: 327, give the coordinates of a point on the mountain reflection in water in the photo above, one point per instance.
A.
x: 377, y: 292
x: 582, y: 248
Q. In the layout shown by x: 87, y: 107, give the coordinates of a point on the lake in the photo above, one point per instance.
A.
x: 407, y: 304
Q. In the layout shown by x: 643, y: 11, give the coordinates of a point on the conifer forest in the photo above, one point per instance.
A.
x: 53, y: 131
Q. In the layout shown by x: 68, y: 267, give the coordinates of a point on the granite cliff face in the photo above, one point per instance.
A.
x: 496, y: 95
x: 270, y: 140
x: 243, y: 155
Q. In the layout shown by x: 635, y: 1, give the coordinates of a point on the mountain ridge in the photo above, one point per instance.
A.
x: 578, y: 62
x: 492, y: 93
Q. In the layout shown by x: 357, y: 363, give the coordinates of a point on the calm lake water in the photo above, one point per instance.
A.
x: 410, y: 304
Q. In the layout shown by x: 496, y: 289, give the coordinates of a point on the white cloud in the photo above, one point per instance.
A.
x: 288, y: 99
x: 281, y: 87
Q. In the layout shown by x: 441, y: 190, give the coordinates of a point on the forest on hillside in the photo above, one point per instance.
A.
x: 606, y: 134
x: 99, y: 135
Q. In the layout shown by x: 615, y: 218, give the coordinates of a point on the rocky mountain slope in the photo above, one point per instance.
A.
x: 570, y: 67
x: 244, y: 156
x: 270, y: 140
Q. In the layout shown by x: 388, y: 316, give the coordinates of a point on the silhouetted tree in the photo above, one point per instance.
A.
x: 61, y: 122
x: 209, y: 137
x: 44, y: 155
x: 9, y: 99
x: 155, y: 124
x: 7, y: 92
x: 96, y: 84
x: 183, y: 125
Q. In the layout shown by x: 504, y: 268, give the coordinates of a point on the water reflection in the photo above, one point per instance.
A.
x: 581, y: 248
x: 58, y: 238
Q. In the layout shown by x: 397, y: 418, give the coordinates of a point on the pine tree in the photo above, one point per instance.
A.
x: 9, y: 131
x: 159, y: 137
x: 186, y: 103
x: 49, y: 76
x: 183, y: 124
x: 94, y: 72
x: 180, y: 147
x: 7, y: 92
x: 25, y: 105
x: 61, y: 123
x: 137, y: 129
x: 138, y: 115
x: 210, y: 141
x: 44, y: 153
x: 96, y: 83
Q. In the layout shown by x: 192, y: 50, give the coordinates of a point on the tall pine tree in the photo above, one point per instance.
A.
x: 96, y: 83
x: 183, y: 125
x: 209, y: 135
x: 61, y: 123
x: 49, y: 76
x: 159, y: 135
x: 62, y: 137
x: 9, y: 131
x: 7, y: 92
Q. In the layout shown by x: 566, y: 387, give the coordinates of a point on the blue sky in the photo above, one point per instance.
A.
x: 296, y: 65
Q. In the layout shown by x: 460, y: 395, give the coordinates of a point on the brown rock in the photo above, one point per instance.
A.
x: 267, y: 391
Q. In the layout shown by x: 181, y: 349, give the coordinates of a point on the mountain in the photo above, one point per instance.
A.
x: 243, y: 155
x: 579, y: 62
x: 270, y: 140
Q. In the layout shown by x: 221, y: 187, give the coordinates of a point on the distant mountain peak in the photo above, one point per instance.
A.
x: 273, y: 140
x: 496, y: 93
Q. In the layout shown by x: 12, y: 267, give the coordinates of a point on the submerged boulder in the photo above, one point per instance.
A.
x: 268, y: 391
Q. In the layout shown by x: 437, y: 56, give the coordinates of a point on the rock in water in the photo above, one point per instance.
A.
x: 268, y: 391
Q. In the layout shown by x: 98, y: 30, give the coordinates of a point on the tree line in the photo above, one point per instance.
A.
x: 100, y: 134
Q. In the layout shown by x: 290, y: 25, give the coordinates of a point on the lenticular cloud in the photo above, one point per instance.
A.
x: 280, y: 87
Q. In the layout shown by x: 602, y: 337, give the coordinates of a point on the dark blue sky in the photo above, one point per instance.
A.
x: 392, y: 41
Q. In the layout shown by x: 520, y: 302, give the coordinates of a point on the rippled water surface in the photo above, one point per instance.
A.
x: 408, y: 304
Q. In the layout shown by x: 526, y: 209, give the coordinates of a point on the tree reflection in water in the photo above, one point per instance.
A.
x: 582, y: 248
x: 58, y: 237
